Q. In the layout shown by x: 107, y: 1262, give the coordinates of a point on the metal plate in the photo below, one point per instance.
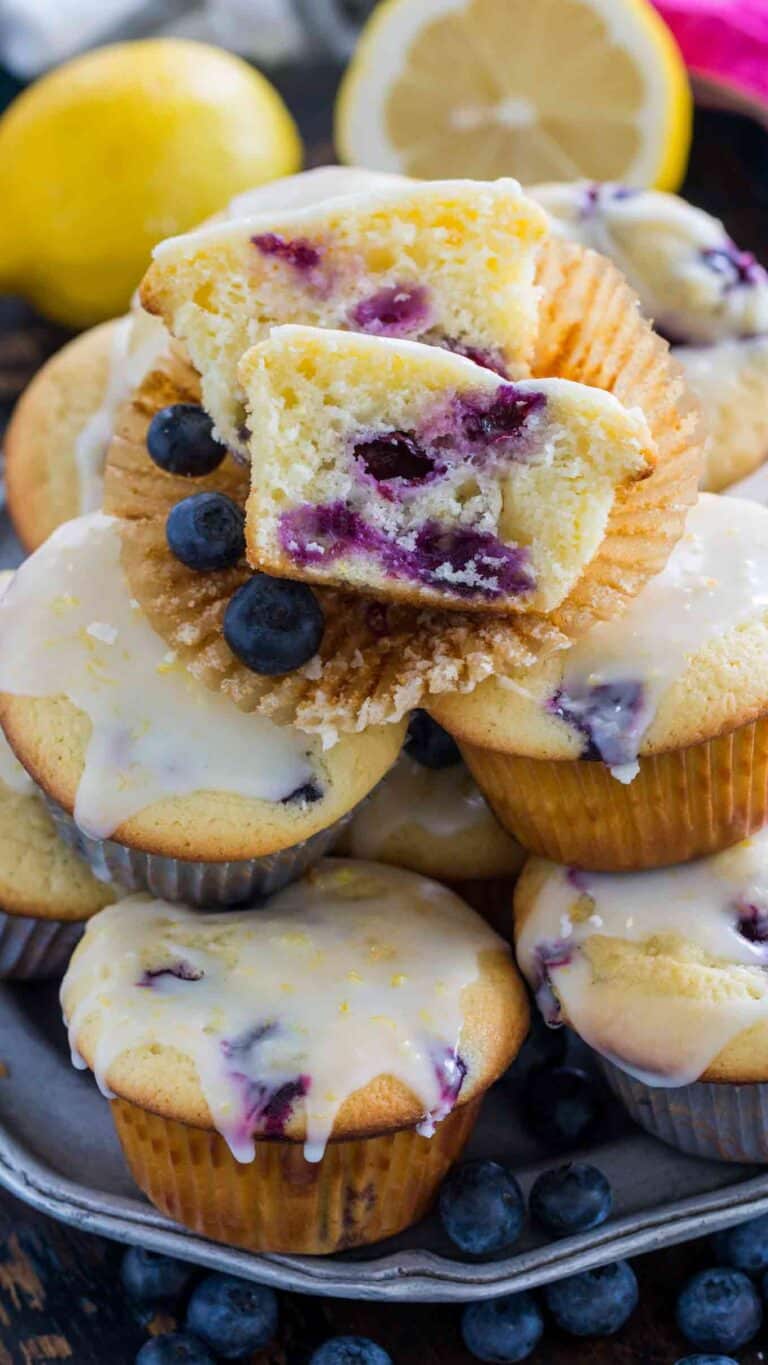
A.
x: 59, y: 1152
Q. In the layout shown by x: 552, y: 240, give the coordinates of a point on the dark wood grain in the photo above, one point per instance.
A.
x: 60, y: 1294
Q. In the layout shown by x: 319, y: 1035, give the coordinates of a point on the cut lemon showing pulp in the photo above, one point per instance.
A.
x: 537, y: 89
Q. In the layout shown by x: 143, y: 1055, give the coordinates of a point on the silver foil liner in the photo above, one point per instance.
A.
x: 33, y: 949
x: 195, y: 883
x: 720, y: 1122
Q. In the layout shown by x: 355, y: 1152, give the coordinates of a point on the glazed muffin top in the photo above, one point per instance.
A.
x: 360, y: 1000
x: 662, y: 972
x: 434, y: 821
x: 39, y: 875
x: 113, y: 727
x: 686, y: 662
x: 696, y: 284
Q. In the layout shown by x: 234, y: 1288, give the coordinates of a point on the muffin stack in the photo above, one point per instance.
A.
x: 396, y: 459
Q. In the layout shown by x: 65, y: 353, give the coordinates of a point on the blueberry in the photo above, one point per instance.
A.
x: 177, y: 1348
x: 561, y: 1106
x: 150, y: 1277
x: 206, y: 531
x: 594, y: 1303
x: 273, y: 624
x: 744, y: 1246
x: 505, y: 1329
x: 180, y: 440
x: 233, y: 1317
x: 482, y: 1207
x: 430, y: 744
x: 350, y: 1351
x: 719, y: 1309
x: 570, y: 1199
x: 707, y: 1360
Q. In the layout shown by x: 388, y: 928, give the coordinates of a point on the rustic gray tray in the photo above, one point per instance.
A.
x: 58, y: 1152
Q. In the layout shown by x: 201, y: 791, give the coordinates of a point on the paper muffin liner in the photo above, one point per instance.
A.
x: 377, y: 661
x: 206, y: 884
x: 682, y: 804
x: 720, y: 1122
x: 361, y: 1191
x: 35, y: 949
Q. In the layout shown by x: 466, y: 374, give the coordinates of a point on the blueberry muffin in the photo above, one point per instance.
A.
x: 647, y: 742
x: 168, y: 784
x: 663, y: 974
x: 405, y: 472
x: 709, y: 298
x: 450, y: 262
x: 300, y: 1079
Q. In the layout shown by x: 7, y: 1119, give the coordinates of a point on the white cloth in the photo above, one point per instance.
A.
x: 38, y: 34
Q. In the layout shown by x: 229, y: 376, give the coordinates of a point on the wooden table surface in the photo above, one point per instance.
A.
x: 60, y: 1295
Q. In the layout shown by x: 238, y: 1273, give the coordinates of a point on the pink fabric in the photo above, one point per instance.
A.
x: 725, y: 39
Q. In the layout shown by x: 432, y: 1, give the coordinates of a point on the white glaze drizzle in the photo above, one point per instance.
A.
x: 665, y: 1038
x: 442, y: 803
x: 657, y: 241
x: 716, y: 576
x: 355, y: 972
x: 12, y: 774
x: 68, y: 627
x: 137, y: 342
x: 309, y: 187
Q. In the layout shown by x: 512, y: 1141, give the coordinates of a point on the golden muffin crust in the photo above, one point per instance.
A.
x: 41, y: 475
x: 40, y: 875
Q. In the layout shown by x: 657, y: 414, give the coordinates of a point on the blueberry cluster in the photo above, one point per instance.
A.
x: 272, y: 625
x: 225, y: 1318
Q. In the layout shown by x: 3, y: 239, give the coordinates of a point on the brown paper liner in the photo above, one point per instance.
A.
x: 490, y: 897
x: 377, y: 661
x: 361, y: 1191
x: 683, y: 804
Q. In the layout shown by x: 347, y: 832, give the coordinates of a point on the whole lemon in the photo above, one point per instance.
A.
x: 108, y: 154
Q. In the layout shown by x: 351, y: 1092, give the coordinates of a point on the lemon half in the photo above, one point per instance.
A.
x: 537, y: 89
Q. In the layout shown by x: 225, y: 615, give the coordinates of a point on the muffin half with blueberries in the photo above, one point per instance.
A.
x: 301, y: 1079
x: 429, y: 815
x: 646, y: 742
x: 402, y: 471
x: 663, y: 974
x: 161, y: 782
x: 448, y: 262
x: 706, y: 295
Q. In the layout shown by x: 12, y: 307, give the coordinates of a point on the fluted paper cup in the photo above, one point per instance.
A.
x: 208, y: 884
x: 721, y: 1122
x: 363, y: 1189
x: 35, y: 949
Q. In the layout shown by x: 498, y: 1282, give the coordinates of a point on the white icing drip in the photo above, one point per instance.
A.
x: 309, y: 187
x: 665, y: 1038
x: 12, y: 774
x: 137, y: 341
x: 68, y: 628
x: 441, y: 803
x: 716, y: 576
x: 657, y: 239
x: 355, y: 972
